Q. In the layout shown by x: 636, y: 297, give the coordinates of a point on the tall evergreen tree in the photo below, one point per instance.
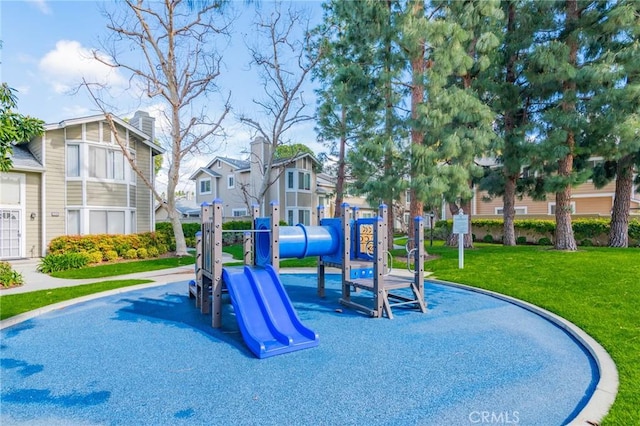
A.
x: 557, y: 72
x: 371, y: 29
x: 458, y: 126
x: 614, y: 108
x: 509, y: 94
x: 345, y: 73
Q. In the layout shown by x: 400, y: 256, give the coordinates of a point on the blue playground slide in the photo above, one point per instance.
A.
x: 268, y: 323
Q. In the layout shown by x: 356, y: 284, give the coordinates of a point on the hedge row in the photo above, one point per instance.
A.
x: 190, y: 229
x: 587, y: 231
x: 75, y: 251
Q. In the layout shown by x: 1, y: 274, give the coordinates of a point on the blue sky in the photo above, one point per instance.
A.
x: 44, y: 56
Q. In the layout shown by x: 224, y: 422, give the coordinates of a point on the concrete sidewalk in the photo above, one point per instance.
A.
x: 34, y: 280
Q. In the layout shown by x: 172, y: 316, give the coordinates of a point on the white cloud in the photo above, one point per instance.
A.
x: 65, y: 67
x: 41, y: 5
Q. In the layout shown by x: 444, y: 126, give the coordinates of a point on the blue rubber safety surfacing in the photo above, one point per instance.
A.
x: 149, y: 357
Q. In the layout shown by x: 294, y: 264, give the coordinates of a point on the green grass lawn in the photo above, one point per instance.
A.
x: 597, y: 289
x: 14, y: 304
x: 123, y: 268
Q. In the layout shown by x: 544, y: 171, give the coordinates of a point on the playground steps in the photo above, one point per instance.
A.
x: 389, y: 299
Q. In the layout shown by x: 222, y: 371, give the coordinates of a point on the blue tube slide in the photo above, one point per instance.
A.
x: 298, y: 241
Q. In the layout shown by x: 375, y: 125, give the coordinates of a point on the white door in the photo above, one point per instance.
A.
x: 12, y: 190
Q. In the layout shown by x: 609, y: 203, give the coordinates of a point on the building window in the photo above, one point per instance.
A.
x: 219, y: 164
x: 73, y: 160
x: 304, y: 217
x: 298, y: 180
x: 552, y: 208
x: 304, y: 181
x: 134, y: 223
x: 239, y: 212
x: 231, y: 182
x: 73, y: 222
x: 105, y: 163
x: 132, y: 173
x: 205, y: 186
x: 407, y: 196
x: 519, y: 210
x: 290, y: 177
x: 106, y: 222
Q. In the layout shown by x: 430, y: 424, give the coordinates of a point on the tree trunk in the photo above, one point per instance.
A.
x: 173, y: 174
x: 341, y: 167
x: 418, y: 65
x: 509, y: 210
x: 511, y: 178
x: 565, y: 239
x: 619, y: 231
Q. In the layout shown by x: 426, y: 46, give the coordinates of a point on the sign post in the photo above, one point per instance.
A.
x: 461, y: 227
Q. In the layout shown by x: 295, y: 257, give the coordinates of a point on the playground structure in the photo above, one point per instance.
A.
x: 266, y: 317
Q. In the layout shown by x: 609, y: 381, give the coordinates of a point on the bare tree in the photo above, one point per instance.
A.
x: 178, y: 65
x: 284, y: 56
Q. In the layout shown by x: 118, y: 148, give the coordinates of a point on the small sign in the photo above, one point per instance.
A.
x: 55, y: 214
x: 461, y: 224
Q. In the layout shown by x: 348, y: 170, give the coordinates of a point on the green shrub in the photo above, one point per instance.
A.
x: 62, y: 262
x: 130, y: 254
x: 522, y: 240
x: 590, y: 228
x: 190, y: 241
x: 9, y: 277
x: 110, y: 255
x: 544, y: 241
x: 190, y: 229
x: 162, y: 249
x: 142, y: 253
x: 488, y: 238
x: 94, y: 256
x: 586, y: 242
x: 153, y: 252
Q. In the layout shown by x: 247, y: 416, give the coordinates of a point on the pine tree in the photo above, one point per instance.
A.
x: 509, y: 94
x: 345, y: 73
x: 458, y: 126
x: 614, y: 109
x: 371, y: 29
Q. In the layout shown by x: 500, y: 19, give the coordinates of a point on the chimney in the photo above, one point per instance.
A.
x: 260, y: 149
x: 143, y: 121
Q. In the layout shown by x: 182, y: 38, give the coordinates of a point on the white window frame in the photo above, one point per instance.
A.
x: 239, y: 212
x: 302, y: 183
x: 551, y: 207
x: 297, y: 180
x: 305, y: 215
x: 203, y: 181
x: 291, y: 180
x: 70, y: 161
x: 109, y: 215
x: 114, y: 164
x: 231, y: 181
x: 78, y: 227
x: 520, y: 210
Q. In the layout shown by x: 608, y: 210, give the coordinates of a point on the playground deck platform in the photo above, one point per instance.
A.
x: 150, y: 357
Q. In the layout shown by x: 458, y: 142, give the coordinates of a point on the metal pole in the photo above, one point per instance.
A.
x: 431, y: 228
x: 461, y: 246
